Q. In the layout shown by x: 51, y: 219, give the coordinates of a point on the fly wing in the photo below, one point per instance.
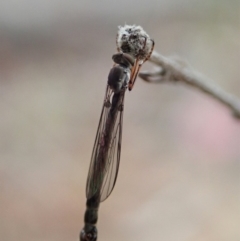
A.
x: 107, y: 147
x: 106, y: 157
x: 93, y: 183
x: 113, y: 157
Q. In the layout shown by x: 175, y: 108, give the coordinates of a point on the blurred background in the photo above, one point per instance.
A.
x: 179, y: 175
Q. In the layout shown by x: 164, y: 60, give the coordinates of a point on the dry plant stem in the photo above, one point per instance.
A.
x: 175, y: 71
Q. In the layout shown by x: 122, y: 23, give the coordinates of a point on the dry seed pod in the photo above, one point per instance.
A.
x: 135, y: 41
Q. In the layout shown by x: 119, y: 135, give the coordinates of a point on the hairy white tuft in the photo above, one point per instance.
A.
x: 134, y: 40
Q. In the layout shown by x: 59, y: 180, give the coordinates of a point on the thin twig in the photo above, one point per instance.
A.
x: 173, y: 70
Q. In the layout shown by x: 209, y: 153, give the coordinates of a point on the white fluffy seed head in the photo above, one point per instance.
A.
x: 133, y: 40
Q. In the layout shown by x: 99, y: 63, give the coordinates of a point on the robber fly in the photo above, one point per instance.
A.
x: 134, y: 50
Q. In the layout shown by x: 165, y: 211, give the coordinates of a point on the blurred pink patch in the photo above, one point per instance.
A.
x: 209, y: 127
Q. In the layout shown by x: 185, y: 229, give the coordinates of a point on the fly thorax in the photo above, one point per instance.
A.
x: 118, y: 77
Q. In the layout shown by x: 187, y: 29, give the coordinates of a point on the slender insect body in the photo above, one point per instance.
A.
x: 104, y: 157
x: 134, y: 46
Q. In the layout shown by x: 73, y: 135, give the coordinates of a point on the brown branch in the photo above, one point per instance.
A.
x: 173, y: 70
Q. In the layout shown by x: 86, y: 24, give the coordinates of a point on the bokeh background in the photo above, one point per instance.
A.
x: 180, y: 166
